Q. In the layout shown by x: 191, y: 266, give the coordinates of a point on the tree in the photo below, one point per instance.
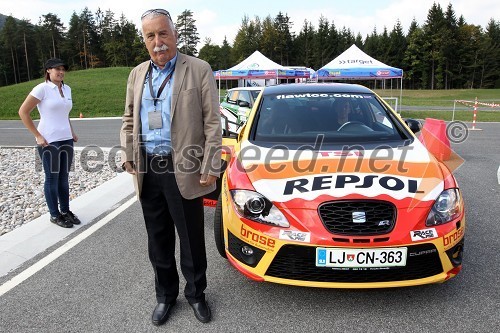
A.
x: 449, y: 46
x: 188, y: 35
x: 225, y: 54
x: 211, y: 54
x: 490, y: 56
x: 304, y: 44
x: 435, y: 33
x: 247, y: 39
x: 416, y: 57
x: 345, y: 39
x: 321, y: 48
x: 372, y: 42
x: 27, y: 32
x: 283, y: 44
x: 129, y: 36
x: 73, y: 44
x: 269, y: 38
x: 10, y: 39
x: 397, y: 46
x: 54, y: 29
x: 92, y: 52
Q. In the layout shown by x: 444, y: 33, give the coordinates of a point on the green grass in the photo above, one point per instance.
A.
x: 439, y: 104
x: 101, y: 93
x: 442, y: 98
x: 95, y: 93
x: 484, y: 116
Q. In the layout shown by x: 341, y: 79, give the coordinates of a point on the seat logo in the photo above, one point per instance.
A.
x: 358, y: 217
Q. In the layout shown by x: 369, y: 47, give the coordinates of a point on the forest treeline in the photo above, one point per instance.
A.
x: 444, y: 52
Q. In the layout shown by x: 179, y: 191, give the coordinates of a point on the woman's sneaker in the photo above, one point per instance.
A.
x: 69, y: 216
x: 61, y: 221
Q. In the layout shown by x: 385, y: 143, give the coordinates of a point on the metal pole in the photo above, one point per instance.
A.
x: 475, y: 115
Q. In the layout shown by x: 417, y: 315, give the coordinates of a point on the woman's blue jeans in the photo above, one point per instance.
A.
x: 56, y: 160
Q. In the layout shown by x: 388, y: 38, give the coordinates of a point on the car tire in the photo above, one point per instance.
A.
x: 219, y: 229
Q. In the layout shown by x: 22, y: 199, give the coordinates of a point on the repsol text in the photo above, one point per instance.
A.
x: 319, y: 183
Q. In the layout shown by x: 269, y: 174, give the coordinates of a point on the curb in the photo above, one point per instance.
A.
x: 25, y: 242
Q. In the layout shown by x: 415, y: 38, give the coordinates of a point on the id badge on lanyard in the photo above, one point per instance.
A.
x: 155, y: 120
x: 154, y: 117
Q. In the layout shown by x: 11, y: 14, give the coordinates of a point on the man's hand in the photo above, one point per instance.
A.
x: 129, y: 167
x: 207, y: 180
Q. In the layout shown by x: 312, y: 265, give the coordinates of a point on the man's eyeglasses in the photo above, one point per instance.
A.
x: 159, y: 11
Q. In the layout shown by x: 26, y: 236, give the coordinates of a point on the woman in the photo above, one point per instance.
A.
x: 54, y: 138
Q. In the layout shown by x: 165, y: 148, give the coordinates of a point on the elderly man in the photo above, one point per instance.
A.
x: 171, y: 139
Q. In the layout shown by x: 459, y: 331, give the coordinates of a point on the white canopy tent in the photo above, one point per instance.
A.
x: 258, y: 66
x: 354, y: 64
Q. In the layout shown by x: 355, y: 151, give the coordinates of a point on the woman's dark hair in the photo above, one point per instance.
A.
x: 47, y: 77
x: 53, y: 63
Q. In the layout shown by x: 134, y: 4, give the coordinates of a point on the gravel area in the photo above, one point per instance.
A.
x: 21, y: 181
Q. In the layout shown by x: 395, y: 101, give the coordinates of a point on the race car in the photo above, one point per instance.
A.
x: 236, y: 105
x: 327, y: 186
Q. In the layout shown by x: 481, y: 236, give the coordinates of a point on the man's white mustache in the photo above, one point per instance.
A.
x: 164, y: 47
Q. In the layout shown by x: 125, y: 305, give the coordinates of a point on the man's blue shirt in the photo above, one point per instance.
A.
x: 157, y: 140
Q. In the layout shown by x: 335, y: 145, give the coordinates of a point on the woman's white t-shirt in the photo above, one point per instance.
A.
x: 54, y: 111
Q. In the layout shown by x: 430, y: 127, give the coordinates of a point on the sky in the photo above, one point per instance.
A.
x: 219, y: 19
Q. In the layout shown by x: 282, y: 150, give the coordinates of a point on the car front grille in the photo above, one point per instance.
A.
x: 357, y: 218
x: 296, y: 262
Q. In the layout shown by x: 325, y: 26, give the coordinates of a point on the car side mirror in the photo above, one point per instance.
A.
x: 244, y: 104
x: 414, y: 125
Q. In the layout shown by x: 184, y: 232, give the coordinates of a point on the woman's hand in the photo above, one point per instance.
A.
x: 40, y: 141
x: 129, y: 167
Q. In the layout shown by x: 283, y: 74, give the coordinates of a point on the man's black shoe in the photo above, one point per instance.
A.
x: 61, y: 221
x: 202, y: 311
x: 161, y: 313
x: 69, y: 216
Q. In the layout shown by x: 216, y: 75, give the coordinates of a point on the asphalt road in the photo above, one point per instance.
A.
x: 102, y: 132
x: 105, y: 283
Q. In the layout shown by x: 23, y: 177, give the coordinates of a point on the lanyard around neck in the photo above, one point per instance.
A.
x: 163, y: 84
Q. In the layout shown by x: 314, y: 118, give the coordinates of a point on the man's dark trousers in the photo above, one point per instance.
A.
x: 165, y: 210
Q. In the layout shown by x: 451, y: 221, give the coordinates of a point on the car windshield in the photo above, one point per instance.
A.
x: 335, y: 118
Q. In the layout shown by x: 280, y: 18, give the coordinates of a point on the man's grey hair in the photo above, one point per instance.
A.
x: 154, y: 14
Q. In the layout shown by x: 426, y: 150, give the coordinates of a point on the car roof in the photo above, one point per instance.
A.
x: 247, y: 88
x: 294, y: 88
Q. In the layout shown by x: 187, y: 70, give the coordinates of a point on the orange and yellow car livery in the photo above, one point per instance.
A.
x: 369, y: 216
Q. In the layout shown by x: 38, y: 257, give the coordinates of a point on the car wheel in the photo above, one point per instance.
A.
x: 219, y: 229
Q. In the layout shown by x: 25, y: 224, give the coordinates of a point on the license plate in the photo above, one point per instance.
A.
x: 357, y: 258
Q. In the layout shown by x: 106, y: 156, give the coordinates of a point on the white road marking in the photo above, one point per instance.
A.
x: 24, y: 275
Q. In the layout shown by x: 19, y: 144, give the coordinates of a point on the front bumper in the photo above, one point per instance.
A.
x: 294, y: 264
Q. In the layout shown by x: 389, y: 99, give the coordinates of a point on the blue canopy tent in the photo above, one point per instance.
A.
x: 354, y: 64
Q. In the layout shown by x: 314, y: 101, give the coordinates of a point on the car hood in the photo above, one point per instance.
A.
x: 408, y: 176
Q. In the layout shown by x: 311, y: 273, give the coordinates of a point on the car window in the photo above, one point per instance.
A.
x: 254, y: 93
x: 245, y: 96
x: 233, y: 96
x: 337, y: 118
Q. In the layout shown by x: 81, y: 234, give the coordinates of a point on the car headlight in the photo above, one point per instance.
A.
x: 445, y: 209
x: 256, y: 207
